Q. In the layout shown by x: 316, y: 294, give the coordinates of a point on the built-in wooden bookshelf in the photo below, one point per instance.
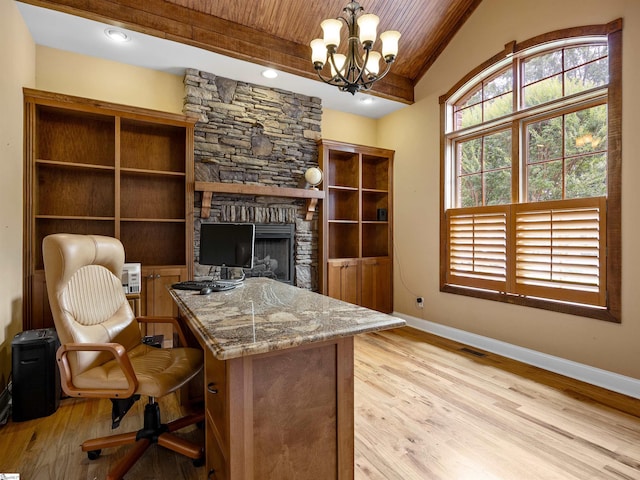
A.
x: 357, y: 224
x: 94, y: 167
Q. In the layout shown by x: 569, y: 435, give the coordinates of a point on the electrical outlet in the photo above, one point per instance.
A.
x: 420, y: 302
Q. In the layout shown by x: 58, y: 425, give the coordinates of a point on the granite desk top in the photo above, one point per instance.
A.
x: 263, y: 315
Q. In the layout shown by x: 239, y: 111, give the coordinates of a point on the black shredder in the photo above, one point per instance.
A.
x: 36, y: 378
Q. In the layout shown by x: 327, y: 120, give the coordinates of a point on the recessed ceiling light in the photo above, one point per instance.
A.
x: 269, y: 73
x: 116, y: 35
x: 366, y: 100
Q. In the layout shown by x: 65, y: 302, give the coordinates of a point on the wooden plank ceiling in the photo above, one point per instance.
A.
x: 276, y: 33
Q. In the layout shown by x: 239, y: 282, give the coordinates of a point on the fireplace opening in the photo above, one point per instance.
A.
x: 273, y: 252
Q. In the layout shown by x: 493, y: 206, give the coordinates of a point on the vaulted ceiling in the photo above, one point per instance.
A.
x: 276, y: 33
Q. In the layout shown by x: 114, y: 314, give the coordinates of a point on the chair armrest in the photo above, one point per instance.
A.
x: 121, y: 357
x: 171, y: 320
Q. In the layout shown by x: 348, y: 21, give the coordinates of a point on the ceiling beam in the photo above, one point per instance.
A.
x: 174, y: 22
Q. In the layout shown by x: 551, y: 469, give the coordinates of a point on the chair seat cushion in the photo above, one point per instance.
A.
x: 159, y: 370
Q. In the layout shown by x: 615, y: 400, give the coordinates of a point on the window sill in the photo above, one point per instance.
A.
x: 568, y: 308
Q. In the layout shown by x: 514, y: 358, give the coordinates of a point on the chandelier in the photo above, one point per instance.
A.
x: 360, y: 67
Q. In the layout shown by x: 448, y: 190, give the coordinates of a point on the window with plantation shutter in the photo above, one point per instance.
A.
x: 560, y: 250
x: 531, y: 175
x: 556, y: 249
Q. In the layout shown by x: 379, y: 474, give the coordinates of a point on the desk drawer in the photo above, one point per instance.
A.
x: 216, y: 395
x: 216, y: 464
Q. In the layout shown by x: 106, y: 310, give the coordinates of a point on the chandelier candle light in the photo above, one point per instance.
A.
x: 354, y: 71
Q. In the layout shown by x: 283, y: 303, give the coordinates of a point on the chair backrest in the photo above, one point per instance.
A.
x: 83, y: 274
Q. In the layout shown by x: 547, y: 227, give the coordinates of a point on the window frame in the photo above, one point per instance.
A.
x: 596, y: 101
x: 611, y: 93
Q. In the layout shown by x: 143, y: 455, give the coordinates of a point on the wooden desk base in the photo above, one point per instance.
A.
x: 286, y: 414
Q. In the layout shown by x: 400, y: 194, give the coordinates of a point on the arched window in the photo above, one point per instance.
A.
x: 531, y: 175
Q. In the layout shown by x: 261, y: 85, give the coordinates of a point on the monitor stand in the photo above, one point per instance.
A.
x: 225, y: 273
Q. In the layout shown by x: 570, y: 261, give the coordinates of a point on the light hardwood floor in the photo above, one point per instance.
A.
x: 425, y: 408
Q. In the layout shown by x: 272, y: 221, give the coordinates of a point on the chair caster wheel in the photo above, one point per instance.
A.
x: 93, y: 454
x: 200, y: 425
x: 198, y: 462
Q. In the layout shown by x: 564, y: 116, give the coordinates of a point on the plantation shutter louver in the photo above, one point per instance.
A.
x: 478, y: 247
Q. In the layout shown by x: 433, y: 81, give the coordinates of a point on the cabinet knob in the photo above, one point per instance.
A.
x: 157, y: 275
x: 210, y: 388
x: 212, y: 474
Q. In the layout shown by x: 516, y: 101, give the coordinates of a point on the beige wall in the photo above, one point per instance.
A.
x: 83, y: 76
x: 90, y: 77
x: 346, y: 127
x: 416, y: 138
x: 17, y: 56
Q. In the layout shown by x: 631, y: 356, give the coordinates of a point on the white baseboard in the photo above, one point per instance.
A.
x: 594, y: 376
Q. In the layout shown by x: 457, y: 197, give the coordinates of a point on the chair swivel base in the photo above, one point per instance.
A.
x: 154, y: 431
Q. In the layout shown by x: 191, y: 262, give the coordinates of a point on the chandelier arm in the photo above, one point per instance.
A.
x: 347, y: 68
x: 352, y: 86
x: 368, y: 84
x: 328, y: 82
x: 363, y: 67
x: 335, y: 68
x: 352, y: 64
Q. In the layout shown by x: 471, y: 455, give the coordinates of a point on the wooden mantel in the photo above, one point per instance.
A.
x: 209, y: 188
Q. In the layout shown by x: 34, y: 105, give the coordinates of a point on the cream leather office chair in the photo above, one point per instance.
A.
x: 102, y: 354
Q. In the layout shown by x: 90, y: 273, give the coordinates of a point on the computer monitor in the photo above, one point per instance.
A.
x: 227, y: 244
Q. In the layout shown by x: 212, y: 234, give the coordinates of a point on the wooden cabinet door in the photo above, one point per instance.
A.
x: 376, y: 291
x: 157, y: 301
x: 342, y: 280
x: 215, y: 398
x: 334, y: 279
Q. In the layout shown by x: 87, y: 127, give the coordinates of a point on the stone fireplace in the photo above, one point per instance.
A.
x: 296, y: 258
x: 253, y: 135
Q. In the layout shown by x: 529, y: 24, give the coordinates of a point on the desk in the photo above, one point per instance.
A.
x: 278, y: 379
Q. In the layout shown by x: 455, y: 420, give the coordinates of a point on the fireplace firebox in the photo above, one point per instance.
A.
x: 273, y: 252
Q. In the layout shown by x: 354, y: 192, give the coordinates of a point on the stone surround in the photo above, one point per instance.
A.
x: 261, y: 136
